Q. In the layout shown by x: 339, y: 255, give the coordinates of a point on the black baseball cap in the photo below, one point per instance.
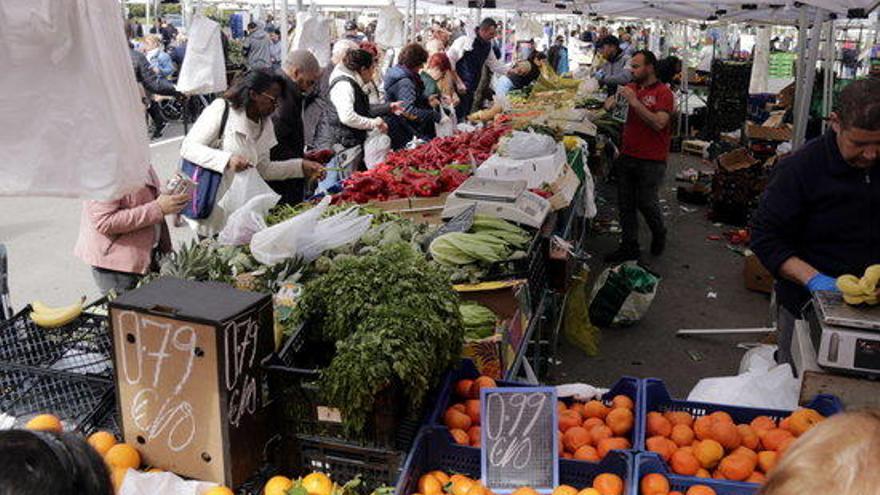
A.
x: 608, y: 40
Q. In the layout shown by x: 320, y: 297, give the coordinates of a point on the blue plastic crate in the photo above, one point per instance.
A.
x: 649, y: 462
x: 628, y: 386
x: 656, y: 398
x: 433, y: 451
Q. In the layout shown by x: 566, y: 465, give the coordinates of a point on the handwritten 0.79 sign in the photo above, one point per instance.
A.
x: 519, y: 438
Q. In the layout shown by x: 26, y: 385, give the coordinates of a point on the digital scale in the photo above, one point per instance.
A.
x: 505, y: 199
x: 846, y: 338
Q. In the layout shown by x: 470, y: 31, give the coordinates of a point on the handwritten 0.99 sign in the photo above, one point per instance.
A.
x: 519, y: 438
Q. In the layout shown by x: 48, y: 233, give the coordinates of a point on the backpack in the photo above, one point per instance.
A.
x: 207, y: 181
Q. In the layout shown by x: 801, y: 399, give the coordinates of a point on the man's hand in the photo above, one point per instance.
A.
x: 238, y: 163
x: 628, y: 93
x: 397, y: 107
x: 822, y: 282
x: 313, y: 170
x: 170, y: 204
x: 382, y: 127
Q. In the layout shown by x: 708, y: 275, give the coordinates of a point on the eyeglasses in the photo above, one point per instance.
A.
x: 272, y: 99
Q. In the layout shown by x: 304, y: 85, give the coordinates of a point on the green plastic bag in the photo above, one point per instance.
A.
x: 622, y: 295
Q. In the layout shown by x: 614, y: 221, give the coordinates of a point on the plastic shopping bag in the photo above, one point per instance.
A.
x: 341, y: 229
x: 376, y: 148
x: 622, y: 295
x: 446, y: 126
x: 248, y: 220
x: 282, y: 241
x: 390, y: 28
x: 245, y: 185
x: 524, y: 145
x: 204, y: 68
x: 773, y: 388
x: 313, y: 33
x: 72, y: 120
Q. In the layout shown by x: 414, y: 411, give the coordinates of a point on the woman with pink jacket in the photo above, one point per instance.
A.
x: 121, y: 239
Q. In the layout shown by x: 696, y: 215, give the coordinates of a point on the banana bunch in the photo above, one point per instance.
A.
x: 860, y: 290
x: 48, y: 317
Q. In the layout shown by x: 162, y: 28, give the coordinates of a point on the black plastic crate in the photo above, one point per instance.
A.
x: 343, y: 461
x: 83, y: 346
x: 294, y: 374
x: 533, y: 267
x: 77, y: 400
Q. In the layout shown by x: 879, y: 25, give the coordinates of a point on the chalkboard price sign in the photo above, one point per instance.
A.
x: 519, y: 438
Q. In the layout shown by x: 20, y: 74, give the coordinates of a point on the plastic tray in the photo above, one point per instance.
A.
x: 83, y: 346
x: 649, y: 462
x: 433, y: 451
x: 294, y: 384
x: 343, y: 461
x: 77, y: 400
x: 631, y: 387
x: 657, y: 398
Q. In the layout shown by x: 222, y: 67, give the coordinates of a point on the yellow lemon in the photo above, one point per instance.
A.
x: 277, y: 485
x: 45, y: 422
x: 219, y: 490
x: 318, y: 484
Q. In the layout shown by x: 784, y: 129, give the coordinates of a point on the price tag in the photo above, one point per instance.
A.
x: 519, y: 438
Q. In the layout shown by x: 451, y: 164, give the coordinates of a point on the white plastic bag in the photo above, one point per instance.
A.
x: 446, y: 126
x: 774, y: 388
x: 204, y: 67
x: 282, y: 241
x: 524, y: 145
x: 71, y: 121
x: 313, y: 33
x: 376, y: 148
x: 390, y: 28
x: 245, y: 186
x: 137, y: 483
x: 248, y: 220
x: 340, y: 229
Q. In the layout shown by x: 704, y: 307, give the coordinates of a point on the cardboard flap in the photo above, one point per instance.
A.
x: 737, y: 159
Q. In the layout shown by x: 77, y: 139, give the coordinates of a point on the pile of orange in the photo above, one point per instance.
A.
x: 588, y: 431
x: 713, y: 446
x: 463, y: 417
x: 657, y: 484
x: 441, y: 483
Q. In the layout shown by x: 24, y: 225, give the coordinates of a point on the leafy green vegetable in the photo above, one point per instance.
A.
x: 395, y: 322
x: 479, y: 321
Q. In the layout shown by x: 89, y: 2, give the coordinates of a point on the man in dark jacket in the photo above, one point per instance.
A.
x: 403, y: 84
x: 820, y: 215
x: 301, y: 72
x: 152, y: 84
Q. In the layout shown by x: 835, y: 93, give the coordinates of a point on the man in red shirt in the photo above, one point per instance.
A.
x: 642, y: 162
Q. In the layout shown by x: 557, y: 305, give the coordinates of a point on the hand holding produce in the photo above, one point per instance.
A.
x: 860, y: 291
x: 313, y: 170
x: 238, y: 163
x: 172, y: 203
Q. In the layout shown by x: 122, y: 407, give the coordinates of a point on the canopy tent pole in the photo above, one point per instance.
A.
x: 799, y: 68
x: 284, y: 28
x: 828, y: 81
x: 685, y: 63
x: 803, y: 114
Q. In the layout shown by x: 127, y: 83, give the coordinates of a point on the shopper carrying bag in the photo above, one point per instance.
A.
x: 221, y: 147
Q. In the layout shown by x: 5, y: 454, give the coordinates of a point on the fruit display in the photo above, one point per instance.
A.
x: 588, y: 431
x: 714, y: 446
x: 658, y: 484
x: 443, y: 483
x: 48, y: 317
x: 312, y: 484
x: 863, y: 290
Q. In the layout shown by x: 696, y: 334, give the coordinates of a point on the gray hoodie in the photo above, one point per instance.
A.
x: 258, y: 49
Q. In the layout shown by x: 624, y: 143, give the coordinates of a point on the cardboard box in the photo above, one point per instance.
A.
x: 737, y: 159
x: 755, y: 276
x: 769, y: 133
x: 419, y: 210
x: 189, y: 378
x: 508, y: 299
x: 564, y: 188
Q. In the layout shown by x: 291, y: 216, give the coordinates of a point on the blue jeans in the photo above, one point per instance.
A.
x: 503, y: 85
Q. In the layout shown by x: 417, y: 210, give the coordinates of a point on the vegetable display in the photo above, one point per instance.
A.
x: 427, y: 170
x: 478, y: 320
x: 394, y: 320
x: 491, y: 240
